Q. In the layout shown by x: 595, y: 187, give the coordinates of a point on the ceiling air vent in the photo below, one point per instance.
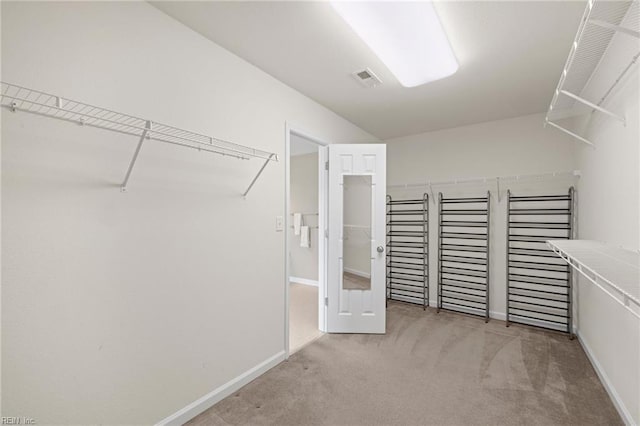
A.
x: 367, y: 78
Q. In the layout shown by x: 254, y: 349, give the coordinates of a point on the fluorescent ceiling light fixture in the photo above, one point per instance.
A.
x: 407, y: 37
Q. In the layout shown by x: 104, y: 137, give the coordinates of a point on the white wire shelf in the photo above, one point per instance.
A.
x: 602, y: 19
x: 615, y: 270
x: 498, y: 180
x: 18, y: 98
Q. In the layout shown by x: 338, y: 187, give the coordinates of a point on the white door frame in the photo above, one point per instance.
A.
x: 322, y: 220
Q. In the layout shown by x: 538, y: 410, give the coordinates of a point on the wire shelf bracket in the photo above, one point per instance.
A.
x: 258, y: 175
x: 18, y: 98
x: 123, y: 187
x: 618, y: 28
x: 601, y: 20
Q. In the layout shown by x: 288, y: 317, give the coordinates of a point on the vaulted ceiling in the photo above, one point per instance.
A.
x: 511, y: 54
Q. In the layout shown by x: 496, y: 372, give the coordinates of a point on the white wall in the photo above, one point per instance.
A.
x: 608, y: 208
x: 304, y: 199
x: 125, y: 307
x: 498, y: 148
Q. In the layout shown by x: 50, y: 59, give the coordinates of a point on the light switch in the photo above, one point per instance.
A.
x: 279, y: 223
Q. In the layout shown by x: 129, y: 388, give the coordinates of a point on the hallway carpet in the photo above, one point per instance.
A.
x: 303, y: 316
x: 429, y: 369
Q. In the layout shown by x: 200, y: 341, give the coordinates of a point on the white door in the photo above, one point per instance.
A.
x: 356, y: 238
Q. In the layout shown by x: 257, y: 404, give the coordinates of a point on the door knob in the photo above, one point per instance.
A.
x: 380, y: 249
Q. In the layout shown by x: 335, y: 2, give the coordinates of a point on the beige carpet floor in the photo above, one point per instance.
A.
x: 303, y: 315
x: 429, y: 369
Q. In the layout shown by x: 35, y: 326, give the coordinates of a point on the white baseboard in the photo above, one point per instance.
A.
x: 356, y: 272
x: 501, y: 316
x: 615, y: 398
x: 187, y: 413
x: 434, y: 304
x: 304, y: 281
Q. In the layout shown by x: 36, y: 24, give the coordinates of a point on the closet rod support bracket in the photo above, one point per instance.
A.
x: 259, y: 173
x: 570, y: 133
x: 594, y: 106
x: 613, y: 27
x: 123, y: 187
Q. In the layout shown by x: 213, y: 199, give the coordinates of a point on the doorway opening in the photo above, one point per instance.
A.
x: 305, y: 244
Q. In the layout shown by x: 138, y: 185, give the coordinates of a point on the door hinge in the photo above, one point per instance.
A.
x: 326, y: 165
x: 326, y: 301
x: 326, y: 233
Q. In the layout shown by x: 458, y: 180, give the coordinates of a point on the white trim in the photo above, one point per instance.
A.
x: 207, y: 401
x: 531, y: 322
x: 356, y: 272
x: 604, y: 379
x: 323, y: 214
x: 287, y: 268
x: 500, y: 316
x: 287, y: 223
x: 304, y: 281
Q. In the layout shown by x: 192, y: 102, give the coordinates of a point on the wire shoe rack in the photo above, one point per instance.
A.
x: 408, y: 250
x: 463, y: 254
x: 539, y: 283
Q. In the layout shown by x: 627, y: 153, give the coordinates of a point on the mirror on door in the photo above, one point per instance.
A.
x: 357, y: 208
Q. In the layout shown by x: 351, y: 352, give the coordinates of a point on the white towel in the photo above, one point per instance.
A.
x: 304, y: 237
x: 297, y: 222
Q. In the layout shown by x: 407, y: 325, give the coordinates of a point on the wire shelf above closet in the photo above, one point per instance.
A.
x: 18, y: 98
x: 498, y: 180
x: 601, y: 20
x: 614, y: 270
